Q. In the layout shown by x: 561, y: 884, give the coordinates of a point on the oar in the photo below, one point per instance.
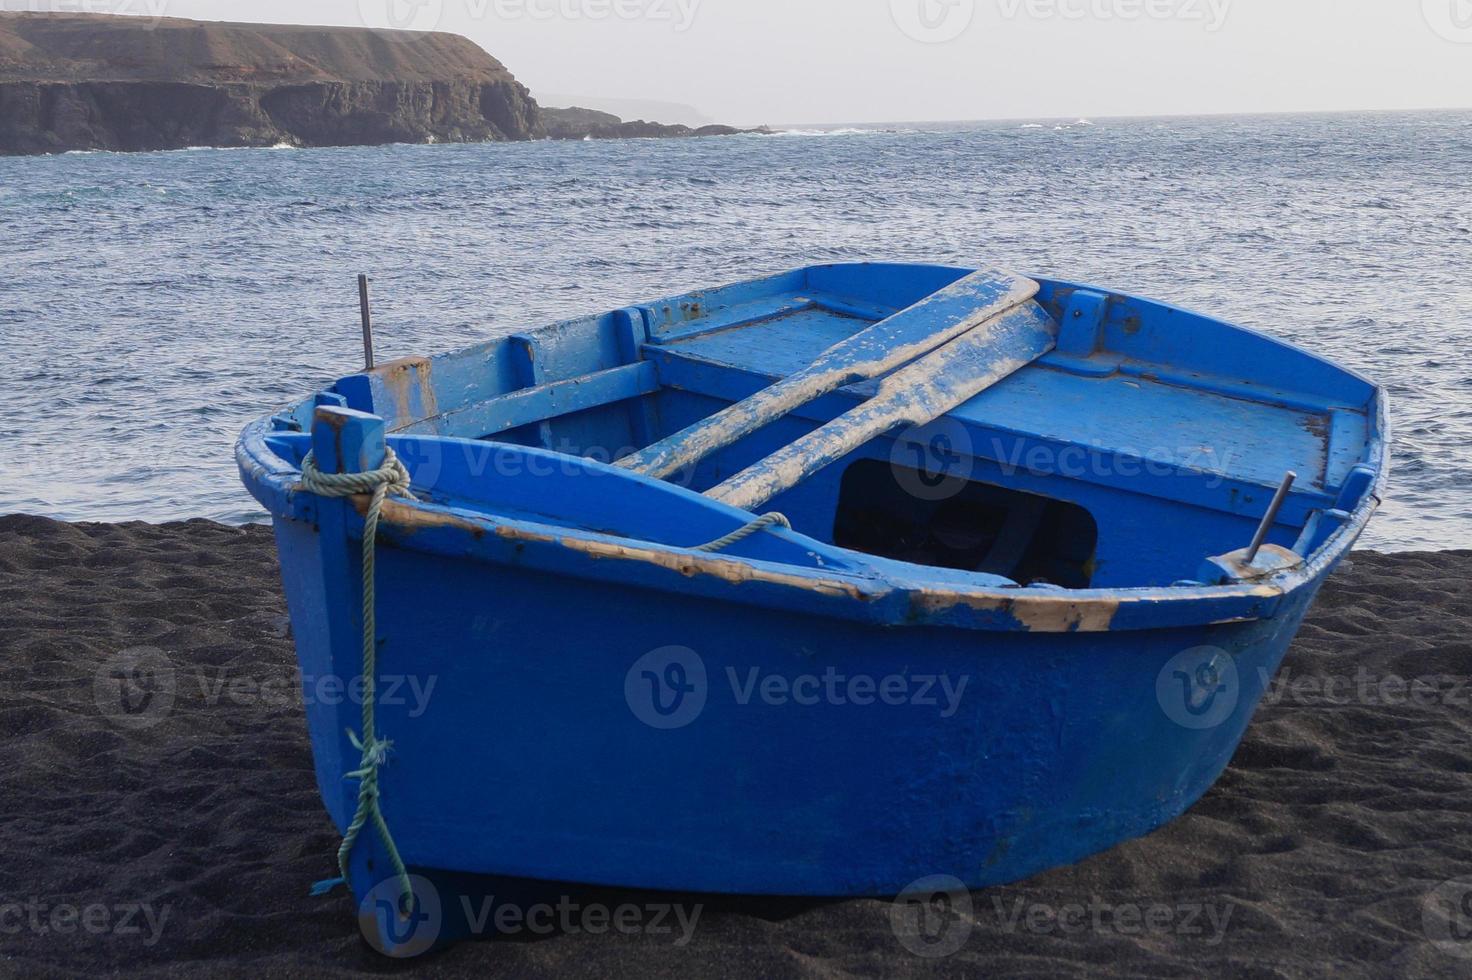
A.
x: 920, y: 393
x: 873, y: 351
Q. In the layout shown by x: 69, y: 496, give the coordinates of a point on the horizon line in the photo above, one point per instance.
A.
x: 1110, y: 117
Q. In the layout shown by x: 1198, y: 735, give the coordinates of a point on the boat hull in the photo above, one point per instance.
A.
x: 555, y: 727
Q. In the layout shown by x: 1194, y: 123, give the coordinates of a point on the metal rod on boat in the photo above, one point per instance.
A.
x: 1271, y: 517
x: 367, y: 322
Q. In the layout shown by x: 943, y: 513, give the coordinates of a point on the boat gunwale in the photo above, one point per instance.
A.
x: 888, y: 599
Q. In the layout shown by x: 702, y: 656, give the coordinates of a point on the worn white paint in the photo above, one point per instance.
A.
x: 915, y: 395
x: 874, y: 351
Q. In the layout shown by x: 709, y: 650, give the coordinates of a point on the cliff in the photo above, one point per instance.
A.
x: 96, y: 82
x: 100, y: 82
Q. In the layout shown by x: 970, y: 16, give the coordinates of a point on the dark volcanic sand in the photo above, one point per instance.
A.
x: 1338, y: 816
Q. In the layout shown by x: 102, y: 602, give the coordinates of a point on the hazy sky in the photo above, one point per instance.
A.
x: 785, y: 61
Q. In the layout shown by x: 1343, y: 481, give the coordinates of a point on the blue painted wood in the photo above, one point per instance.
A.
x: 545, y: 594
x: 347, y: 441
x: 532, y: 376
x: 1357, y: 485
x: 1107, y: 448
x: 1182, y: 428
x: 1344, y: 446
x: 737, y: 315
x: 915, y: 395
x: 1216, y: 385
x: 544, y: 402
x: 633, y: 333
x: 667, y: 316
x: 1081, y: 322
x: 940, y: 318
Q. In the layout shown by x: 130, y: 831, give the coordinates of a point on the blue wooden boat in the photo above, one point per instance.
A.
x: 1037, y: 559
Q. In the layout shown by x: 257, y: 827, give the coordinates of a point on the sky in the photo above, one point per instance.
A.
x: 748, y: 62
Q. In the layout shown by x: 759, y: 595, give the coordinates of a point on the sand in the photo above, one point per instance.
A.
x: 181, y: 838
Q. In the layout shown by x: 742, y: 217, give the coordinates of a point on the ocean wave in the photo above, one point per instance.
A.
x: 846, y: 131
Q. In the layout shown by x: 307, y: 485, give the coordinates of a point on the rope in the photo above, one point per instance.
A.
x: 755, y: 527
x: 390, y: 479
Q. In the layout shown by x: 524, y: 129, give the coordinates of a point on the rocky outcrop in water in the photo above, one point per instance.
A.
x: 577, y: 123
x: 90, y: 82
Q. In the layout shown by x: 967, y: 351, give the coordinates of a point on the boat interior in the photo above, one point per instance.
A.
x: 1148, y: 440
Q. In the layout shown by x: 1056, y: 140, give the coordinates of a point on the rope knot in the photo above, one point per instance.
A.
x: 392, y: 477
x: 374, y: 749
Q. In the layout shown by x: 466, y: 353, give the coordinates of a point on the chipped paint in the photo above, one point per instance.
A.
x: 689, y: 565
x: 1316, y: 425
x: 919, y: 393
x: 1272, y: 560
x: 966, y: 306
x: 1037, y: 614
x: 407, y: 517
x: 402, y: 380
x: 1055, y: 613
x: 1042, y: 616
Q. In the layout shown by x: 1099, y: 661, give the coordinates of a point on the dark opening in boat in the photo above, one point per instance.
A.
x: 968, y: 525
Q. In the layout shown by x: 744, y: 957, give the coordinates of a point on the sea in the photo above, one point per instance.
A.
x: 152, y: 304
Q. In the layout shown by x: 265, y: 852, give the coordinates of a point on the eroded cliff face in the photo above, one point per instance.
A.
x: 85, y: 82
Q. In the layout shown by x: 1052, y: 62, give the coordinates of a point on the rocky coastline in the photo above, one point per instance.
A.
x: 98, y: 82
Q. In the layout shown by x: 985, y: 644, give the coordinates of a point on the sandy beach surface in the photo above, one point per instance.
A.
x: 180, y: 837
